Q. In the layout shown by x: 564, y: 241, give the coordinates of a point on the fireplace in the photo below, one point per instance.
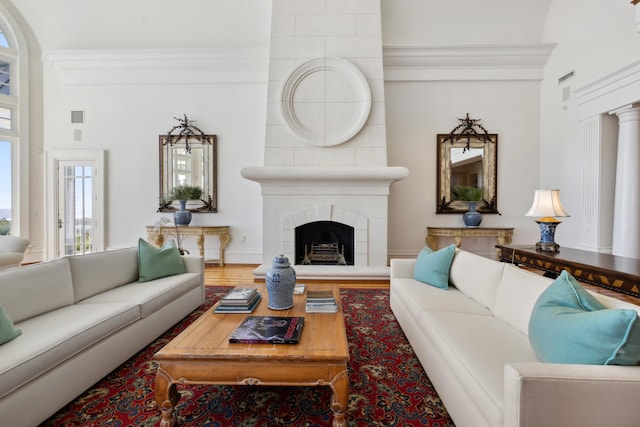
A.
x: 324, y: 243
x: 325, y: 158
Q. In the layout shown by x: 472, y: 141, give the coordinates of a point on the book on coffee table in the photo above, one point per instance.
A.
x: 234, y: 308
x: 239, y: 300
x: 321, y: 302
x: 268, y: 330
x: 239, y: 296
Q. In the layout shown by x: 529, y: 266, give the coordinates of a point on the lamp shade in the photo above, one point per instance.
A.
x: 546, y: 203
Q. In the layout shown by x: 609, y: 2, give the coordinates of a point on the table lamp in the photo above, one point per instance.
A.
x: 546, y: 205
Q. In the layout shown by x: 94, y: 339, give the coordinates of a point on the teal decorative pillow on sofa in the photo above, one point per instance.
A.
x: 154, y: 263
x: 569, y: 325
x: 432, y: 267
x: 7, y: 329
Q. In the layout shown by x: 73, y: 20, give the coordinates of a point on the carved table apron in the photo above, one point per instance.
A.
x: 156, y: 235
x: 503, y: 235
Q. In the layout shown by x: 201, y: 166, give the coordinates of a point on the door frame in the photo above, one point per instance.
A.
x: 53, y: 159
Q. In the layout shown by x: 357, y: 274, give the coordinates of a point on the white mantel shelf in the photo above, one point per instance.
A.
x: 276, y: 174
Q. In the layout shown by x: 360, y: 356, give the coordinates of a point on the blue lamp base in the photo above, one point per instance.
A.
x: 547, y: 232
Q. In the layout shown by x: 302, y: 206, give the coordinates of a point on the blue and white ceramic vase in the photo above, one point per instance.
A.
x: 280, y: 281
x: 182, y: 216
x: 472, y: 218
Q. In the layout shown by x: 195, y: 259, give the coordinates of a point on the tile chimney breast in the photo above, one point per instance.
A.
x: 325, y: 147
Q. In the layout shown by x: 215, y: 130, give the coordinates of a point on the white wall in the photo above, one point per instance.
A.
x: 466, y: 22
x: 129, y: 103
x: 417, y: 112
x: 594, y: 38
x: 79, y: 24
x: 537, y: 145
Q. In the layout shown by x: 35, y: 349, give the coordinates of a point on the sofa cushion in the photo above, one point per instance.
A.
x: 568, y: 325
x: 476, y: 276
x: 7, y: 329
x: 10, y: 259
x: 36, y: 289
x: 432, y: 267
x: 154, y: 263
x: 517, y: 293
x: 150, y: 296
x: 56, y: 336
x: 476, y: 349
x: 418, y: 297
x: 95, y: 273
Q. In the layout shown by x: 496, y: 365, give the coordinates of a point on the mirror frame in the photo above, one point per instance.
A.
x: 209, y: 201
x: 489, y: 144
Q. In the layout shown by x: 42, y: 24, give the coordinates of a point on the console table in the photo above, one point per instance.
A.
x: 156, y: 235
x: 611, y: 272
x: 503, y: 235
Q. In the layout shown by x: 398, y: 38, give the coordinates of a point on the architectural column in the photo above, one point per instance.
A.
x: 626, y: 226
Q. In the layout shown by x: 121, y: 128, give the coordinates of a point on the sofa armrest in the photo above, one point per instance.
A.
x: 194, y: 264
x: 402, y: 268
x: 546, y: 394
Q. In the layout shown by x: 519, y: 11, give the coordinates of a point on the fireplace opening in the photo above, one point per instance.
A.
x: 324, y: 243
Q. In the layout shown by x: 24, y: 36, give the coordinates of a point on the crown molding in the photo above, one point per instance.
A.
x: 466, y: 62
x: 251, y: 64
x: 610, y: 92
x: 160, y: 66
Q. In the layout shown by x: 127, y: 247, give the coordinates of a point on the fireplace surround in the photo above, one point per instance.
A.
x: 325, y: 147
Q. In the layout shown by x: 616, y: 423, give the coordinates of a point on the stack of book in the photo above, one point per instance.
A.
x: 321, y: 302
x: 239, y: 300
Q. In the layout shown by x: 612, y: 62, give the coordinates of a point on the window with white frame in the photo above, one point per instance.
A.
x: 9, y: 133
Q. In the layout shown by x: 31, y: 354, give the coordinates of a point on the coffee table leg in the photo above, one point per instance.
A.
x: 340, y: 398
x: 167, y: 397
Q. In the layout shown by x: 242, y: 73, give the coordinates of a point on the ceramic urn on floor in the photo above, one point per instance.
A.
x: 280, y: 281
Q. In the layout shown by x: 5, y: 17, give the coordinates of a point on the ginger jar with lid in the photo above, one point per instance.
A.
x: 280, y: 281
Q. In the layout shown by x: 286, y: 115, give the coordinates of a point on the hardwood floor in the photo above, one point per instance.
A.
x: 239, y: 274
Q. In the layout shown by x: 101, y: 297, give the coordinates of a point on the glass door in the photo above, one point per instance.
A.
x: 76, y: 196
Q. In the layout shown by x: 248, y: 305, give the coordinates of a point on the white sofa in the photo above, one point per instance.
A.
x: 81, y: 317
x: 12, y: 249
x: 472, y: 341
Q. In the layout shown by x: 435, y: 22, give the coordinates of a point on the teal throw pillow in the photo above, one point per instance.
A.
x: 432, y: 267
x: 7, y: 329
x: 154, y: 263
x: 568, y: 325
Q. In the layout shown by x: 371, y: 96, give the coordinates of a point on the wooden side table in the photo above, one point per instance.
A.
x: 503, y: 235
x: 608, y: 271
x: 156, y: 235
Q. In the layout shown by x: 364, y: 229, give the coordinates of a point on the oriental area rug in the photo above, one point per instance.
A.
x: 387, y: 385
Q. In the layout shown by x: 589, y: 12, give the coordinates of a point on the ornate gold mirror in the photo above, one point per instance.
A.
x: 189, y: 161
x: 467, y: 158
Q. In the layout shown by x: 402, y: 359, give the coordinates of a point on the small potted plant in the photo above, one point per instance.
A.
x: 470, y: 194
x: 182, y: 194
x: 185, y: 192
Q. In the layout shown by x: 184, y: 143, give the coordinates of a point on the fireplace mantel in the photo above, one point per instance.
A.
x: 290, y: 175
x: 356, y: 196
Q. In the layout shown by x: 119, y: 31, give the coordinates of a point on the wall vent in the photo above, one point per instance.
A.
x: 77, y: 116
x: 566, y: 77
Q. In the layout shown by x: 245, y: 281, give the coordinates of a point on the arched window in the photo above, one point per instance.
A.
x: 14, y: 161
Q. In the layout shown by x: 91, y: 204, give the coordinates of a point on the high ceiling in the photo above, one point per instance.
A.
x: 121, y: 24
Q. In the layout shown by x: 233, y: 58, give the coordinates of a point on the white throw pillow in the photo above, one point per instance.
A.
x: 518, y: 292
x: 476, y: 276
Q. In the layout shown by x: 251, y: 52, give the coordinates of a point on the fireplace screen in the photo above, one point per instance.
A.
x: 324, y: 242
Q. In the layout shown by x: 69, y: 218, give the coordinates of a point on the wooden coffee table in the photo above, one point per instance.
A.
x: 202, y: 354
